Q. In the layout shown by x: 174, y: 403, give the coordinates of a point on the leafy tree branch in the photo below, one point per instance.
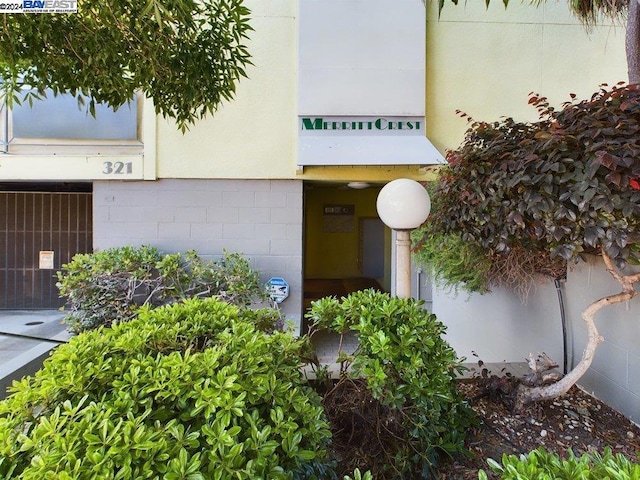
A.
x: 186, y: 55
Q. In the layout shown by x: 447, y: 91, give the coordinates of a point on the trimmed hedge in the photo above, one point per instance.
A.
x: 192, y: 390
x: 109, y: 286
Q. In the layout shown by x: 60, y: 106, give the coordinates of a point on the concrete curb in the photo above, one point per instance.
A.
x: 27, y: 363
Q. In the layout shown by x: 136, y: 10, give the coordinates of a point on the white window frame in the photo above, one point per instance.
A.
x: 40, y: 159
x: 62, y: 146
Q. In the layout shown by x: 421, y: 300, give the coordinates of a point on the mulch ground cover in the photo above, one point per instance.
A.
x: 576, y: 421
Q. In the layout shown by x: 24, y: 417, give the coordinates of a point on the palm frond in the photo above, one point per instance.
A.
x: 589, y: 11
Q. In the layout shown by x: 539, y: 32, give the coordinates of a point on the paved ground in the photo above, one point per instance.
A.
x: 26, y: 338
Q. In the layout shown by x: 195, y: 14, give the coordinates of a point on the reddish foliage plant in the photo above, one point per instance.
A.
x: 565, y: 185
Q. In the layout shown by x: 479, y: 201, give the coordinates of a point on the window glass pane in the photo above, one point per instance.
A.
x: 61, y: 118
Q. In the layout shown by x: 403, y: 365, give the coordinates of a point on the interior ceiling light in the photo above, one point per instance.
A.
x: 358, y: 185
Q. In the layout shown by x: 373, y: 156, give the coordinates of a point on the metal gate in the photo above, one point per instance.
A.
x: 40, y: 231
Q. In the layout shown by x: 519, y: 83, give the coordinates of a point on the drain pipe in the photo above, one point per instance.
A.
x: 558, y: 281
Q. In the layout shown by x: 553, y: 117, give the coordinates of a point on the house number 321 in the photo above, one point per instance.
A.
x: 117, y: 168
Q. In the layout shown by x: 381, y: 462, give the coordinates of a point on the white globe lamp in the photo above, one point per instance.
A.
x: 403, y: 205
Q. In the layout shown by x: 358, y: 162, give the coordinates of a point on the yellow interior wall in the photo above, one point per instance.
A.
x: 334, y: 255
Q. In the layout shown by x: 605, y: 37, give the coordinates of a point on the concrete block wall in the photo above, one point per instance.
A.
x: 262, y: 219
x: 614, y: 376
x: 500, y: 328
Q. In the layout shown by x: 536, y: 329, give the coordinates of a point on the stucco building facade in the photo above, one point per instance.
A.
x: 341, y: 94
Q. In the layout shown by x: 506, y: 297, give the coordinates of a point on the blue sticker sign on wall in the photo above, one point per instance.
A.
x: 278, y: 289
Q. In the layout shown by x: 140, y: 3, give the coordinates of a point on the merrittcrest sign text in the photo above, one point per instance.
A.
x: 362, y: 125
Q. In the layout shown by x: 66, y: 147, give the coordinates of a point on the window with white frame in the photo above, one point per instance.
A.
x: 62, y: 125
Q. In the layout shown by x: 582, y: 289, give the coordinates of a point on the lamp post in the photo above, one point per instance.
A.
x: 403, y: 205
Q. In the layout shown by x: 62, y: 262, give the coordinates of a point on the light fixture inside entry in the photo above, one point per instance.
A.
x: 358, y: 185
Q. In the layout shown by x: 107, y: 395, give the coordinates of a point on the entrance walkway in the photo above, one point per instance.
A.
x: 26, y: 339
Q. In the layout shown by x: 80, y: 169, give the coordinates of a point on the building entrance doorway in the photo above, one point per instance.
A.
x: 346, y: 246
x: 42, y: 226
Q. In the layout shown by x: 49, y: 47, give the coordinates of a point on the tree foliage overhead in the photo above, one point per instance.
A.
x: 187, y: 55
x: 590, y: 10
x: 587, y: 11
x: 551, y: 190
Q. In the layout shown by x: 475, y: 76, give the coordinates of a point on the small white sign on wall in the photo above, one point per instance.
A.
x: 46, y: 260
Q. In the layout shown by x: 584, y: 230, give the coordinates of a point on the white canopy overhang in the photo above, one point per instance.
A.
x: 325, y: 141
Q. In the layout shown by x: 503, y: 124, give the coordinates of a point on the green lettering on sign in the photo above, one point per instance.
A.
x: 308, y: 124
x: 377, y: 124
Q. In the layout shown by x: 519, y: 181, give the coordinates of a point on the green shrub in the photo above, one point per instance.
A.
x: 447, y: 259
x: 190, y: 390
x: 110, y: 285
x: 357, y: 475
x: 542, y: 465
x: 97, y: 285
x: 412, y: 412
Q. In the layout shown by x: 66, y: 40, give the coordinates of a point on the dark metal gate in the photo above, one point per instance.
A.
x: 40, y: 231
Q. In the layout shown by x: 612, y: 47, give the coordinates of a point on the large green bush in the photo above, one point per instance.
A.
x: 191, y: 390
x: 542, y: 465
x: 396, y: 408
x: 110, y: 285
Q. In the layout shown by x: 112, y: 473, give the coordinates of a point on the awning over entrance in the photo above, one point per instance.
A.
x: 364, y: 140
x: 367, y: 150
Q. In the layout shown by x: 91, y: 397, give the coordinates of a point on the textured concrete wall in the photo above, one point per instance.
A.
x: 262, y: 219
x: 499, y: 327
